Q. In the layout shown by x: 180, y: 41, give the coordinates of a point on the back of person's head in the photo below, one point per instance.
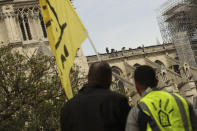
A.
x: 100, y: 73
x: 145, y: 76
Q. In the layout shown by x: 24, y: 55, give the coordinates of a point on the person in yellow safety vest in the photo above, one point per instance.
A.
x: 158, y: 110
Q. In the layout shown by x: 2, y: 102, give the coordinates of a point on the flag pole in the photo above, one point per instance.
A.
x: 93, y: 46
x: 99, y: 59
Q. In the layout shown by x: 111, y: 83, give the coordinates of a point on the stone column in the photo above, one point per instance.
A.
x: 10, y: 23
x: 81, y: 61
x: 16, y: 28
x: 36, y: 33
x: 82, y: 67
x: 182, y: 71
x: 6, y: 13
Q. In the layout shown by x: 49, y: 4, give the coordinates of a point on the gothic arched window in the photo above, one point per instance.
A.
x: 116, y: 70
x: 24, y: 23
x: 175, y: 68
x: 20, y: 19
x: 118, y: 82
x: 27, y: 27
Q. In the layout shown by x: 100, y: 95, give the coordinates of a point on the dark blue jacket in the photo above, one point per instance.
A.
x: 95, y: 109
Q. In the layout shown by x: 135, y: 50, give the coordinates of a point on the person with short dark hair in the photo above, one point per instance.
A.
x: 95, y: 107
x: 158, y: 110
x: 145, y: 76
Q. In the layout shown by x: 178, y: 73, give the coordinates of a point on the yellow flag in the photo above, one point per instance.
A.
x: 65, y: 33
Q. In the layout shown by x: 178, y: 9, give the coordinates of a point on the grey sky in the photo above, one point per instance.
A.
x: 119, y: 23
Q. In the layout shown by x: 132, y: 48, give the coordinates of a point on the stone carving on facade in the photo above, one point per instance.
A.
x: 187, y: 71
x: 164, y: 75
x: 174, y: 86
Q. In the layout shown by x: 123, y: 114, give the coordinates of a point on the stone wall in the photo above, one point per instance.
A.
x: 173, y: 75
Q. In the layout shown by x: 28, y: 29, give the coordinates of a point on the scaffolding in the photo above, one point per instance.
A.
x: 177, y: 16
x: 178, y: 25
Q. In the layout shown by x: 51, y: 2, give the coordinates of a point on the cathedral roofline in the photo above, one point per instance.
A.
x: 138, y: 48
x: 140, y: 51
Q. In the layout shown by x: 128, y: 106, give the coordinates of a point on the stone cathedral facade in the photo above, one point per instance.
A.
x: 173, y: 76
x: 22, y: 26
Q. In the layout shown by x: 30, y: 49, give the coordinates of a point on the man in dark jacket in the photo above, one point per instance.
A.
x: 95, y: 107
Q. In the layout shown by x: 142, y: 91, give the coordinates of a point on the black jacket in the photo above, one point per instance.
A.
x: 95, y: 109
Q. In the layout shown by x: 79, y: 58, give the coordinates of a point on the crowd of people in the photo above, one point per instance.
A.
x: 96, y: 108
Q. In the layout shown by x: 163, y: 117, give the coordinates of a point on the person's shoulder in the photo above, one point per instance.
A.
x: 134, y: 112
x: 132, y: 119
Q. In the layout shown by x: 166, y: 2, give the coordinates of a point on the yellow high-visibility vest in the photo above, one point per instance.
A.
x: 168, y: 112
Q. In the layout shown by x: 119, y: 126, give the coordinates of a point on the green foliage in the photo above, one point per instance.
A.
x: 31, y: 95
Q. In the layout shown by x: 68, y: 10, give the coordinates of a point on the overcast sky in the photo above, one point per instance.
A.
x: 119, y: 23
